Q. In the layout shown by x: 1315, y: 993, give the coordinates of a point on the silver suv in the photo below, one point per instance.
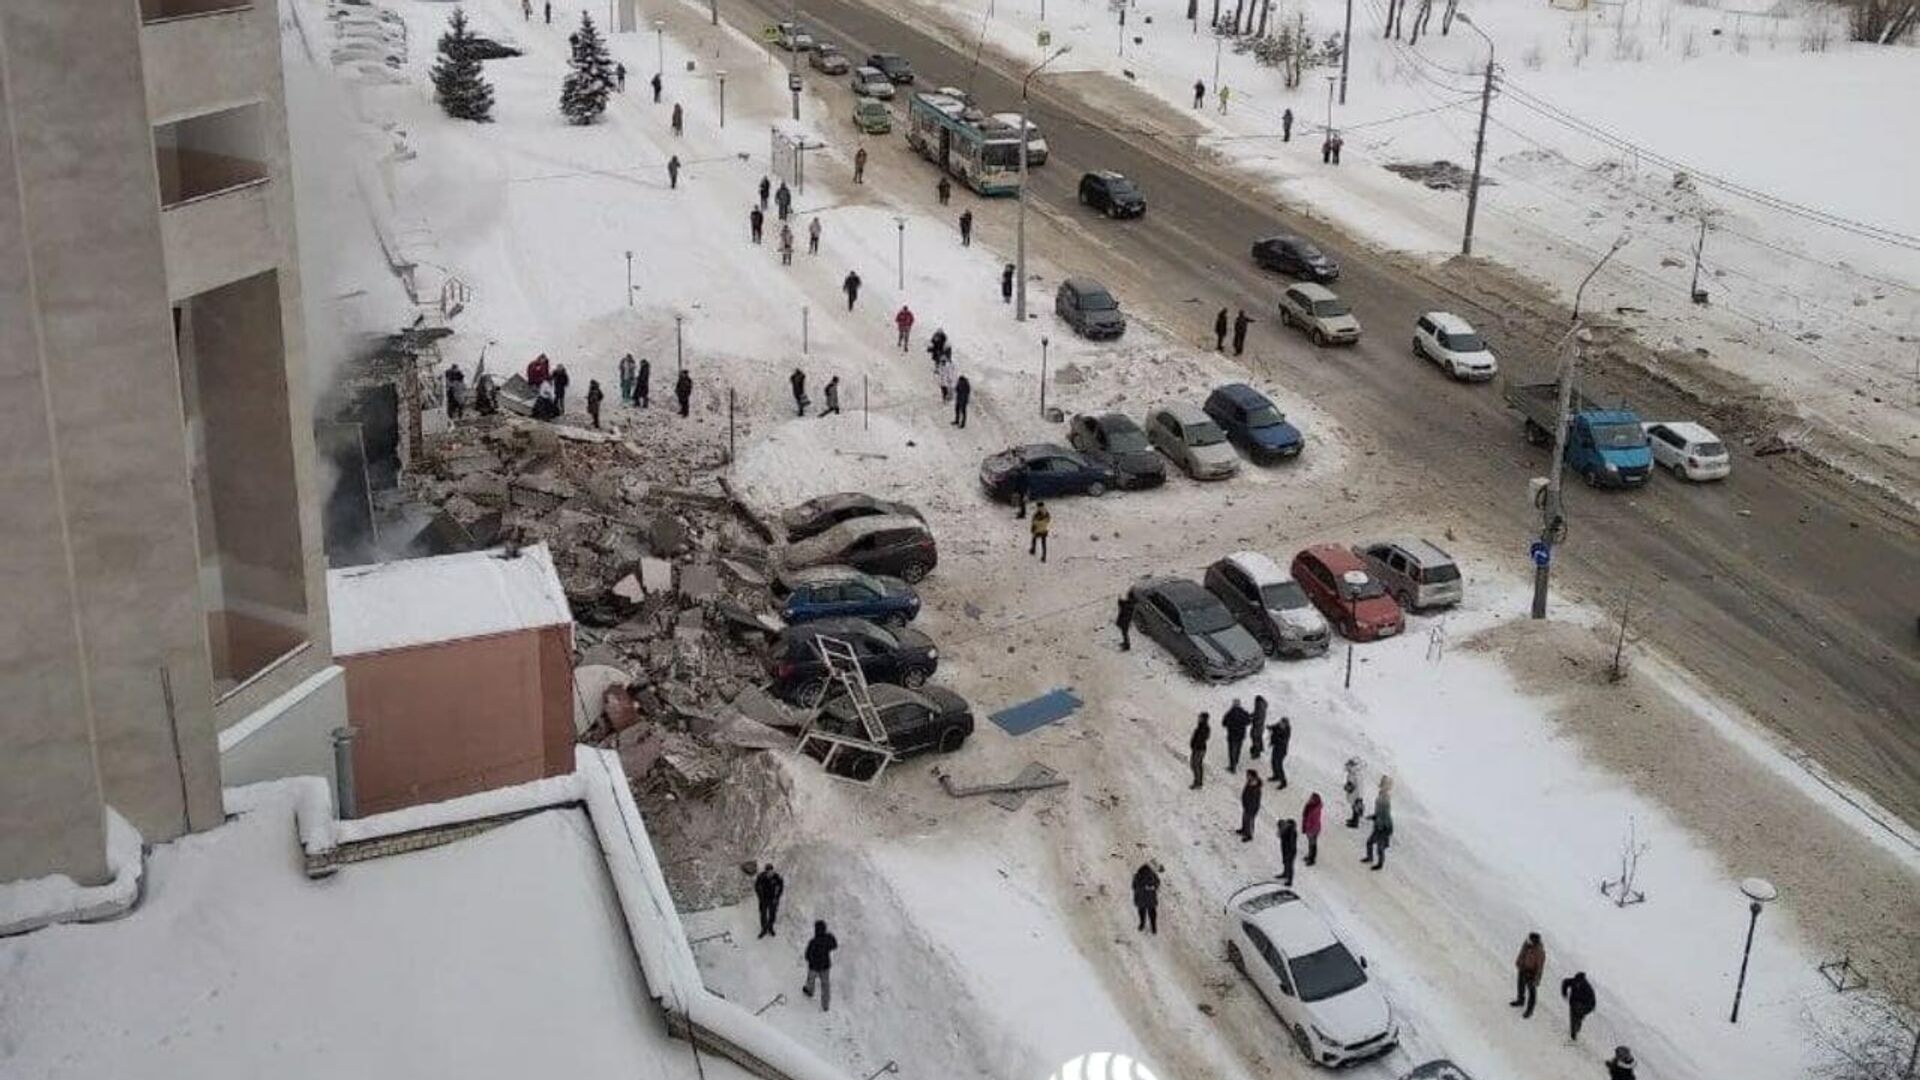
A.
x: 1324, y: 316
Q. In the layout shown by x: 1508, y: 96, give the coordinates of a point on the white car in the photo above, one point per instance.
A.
x: 1191, y: 440
x: 1451, y: 344
x: 1688, y: 450
x: 792, y: 37
x: 1320, y: 990
x: 1036, y: 142
x: 1325, y: 317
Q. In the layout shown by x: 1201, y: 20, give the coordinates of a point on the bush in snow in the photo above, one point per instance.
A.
x: 583, y: 96
x: 457, y: 83
x: 1881, y: 22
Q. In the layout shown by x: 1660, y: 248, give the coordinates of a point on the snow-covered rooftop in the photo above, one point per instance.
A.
x: 444, y: 598
x: 501, y: 956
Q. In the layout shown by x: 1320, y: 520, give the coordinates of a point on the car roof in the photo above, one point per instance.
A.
x: 1313, y: 290
x: 1183, y: 593
x: 1185, y: 413
x: 1106, y: 174
x: 1260, y: 569
x: 838, y: 627
x: 1336, y: 558
x: 868, y: 69
x: 1242, y: 394
x: 884, y: 696
x: 853, y: 529
x: 1029, y: 451
x: 1294, y: 926
x: 1426, y: 551
x: 1448, y: 321
x: 1085, y: 285
x: 1109, y: 421
x: 820, y: 575
x: 1687, y: 430
x: 1280, y: 238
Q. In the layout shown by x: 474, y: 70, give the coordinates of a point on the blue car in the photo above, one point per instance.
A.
x: 1253, y: 423
x: 1047, y: 470
x: 831, y: 592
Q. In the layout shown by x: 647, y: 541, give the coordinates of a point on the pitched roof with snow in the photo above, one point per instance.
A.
x: 473, y: 594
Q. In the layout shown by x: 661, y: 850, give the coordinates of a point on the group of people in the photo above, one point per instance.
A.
x: 798, y: 381
x: 768, y: 888
x: 1240, y: 324
x: 1577, y: 990
x: 1329, y: 146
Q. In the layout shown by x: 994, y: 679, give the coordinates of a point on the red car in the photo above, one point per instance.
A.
x: 1346, y: 592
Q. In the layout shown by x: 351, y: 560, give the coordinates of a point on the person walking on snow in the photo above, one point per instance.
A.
x: 620, y: 76
x: 1289, y: 848
x: 813, y: 236
x: 526, y: 10
x: 1197, y: 751
x: 962, y: 393
x: 655, y: 83
x: 832, y: 394
x: 1279, y: 741
x: 756, y: 221
x: 860, y: 166
x: 1310, y: 827
x: 1123, y: 618
x: 1199, y: 93
x: 1382, y: 832
x: 943, y: 190
x: 937, y: 346
x: 1225, y: 92
x: 966, y: 228
x: 1220, y: 331
x: 679, y: 120
x: 783, y: 201
x: 673, y: 173
x: 1257, y: 730
x: 1580, y: 1002
x: 798, y: 380
x: 595, y: 396
x: 1249, y: 805
x: 1528, y: 966
x: 766, y: 190
x: 1146, y: 898
x: 561, y: 380
x: 1620, y: 1066
x: 456, y: 391
x: 642, y: 383
x: 944, y: 370
x: 903, y: 322
x: 1240, y: 324
x: 1286, y: 126
x: 1356, y: 802
x: 683, y: 391
x: 547, y: 10
x: 820, y: 963
x: 767, y: 887
x: 1006, y: 284
x: 786, y: 244
x: 1235, y: 723
x: 1019, y: 494
x: 626, y: 379
x: 1042, y: 522
x: 851, y: 286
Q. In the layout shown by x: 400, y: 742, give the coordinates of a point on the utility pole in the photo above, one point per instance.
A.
x: 1480, y: 141
x: 900, y: 223
x: 793, y: 57
x: 1217, y: 42
x: 1044, y: 341
x: 1346, y: 49
x: 660, y: 47
x: 1331, y: 80
x: 629, y: 279
x: 1020, y: 229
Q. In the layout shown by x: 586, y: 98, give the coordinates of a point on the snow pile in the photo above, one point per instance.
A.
x: 57, y: 898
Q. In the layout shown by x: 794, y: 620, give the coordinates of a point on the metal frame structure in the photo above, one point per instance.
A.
x: 843, y: 669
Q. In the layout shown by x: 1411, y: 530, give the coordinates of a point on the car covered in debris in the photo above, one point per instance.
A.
x: 830, y: 592
x: 892, y: 544
x: 901, y: 656
x: 915, y: 721
x: 1318, y: 987
x: 1193, y: 625
x: 1270, y: 604
x: 1114, y: 440
x: 1049, y: 471
x: 817, y: 515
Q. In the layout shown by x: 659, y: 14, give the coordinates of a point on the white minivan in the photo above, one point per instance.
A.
x: 1451, y: 344
x: 1688, y: 450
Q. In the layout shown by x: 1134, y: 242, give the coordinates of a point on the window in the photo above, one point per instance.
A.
x: 162, y: 10
x: 1283, y: 596
x: 206, y: 155
x: 1124, y: 440
x: 1328, y: 972
x: 1264, y: 946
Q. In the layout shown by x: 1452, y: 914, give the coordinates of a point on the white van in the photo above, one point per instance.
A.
x: 1688, y: 450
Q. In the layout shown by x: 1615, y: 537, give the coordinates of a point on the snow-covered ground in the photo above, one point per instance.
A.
x: 1815, y: 283
x: 978, y: 943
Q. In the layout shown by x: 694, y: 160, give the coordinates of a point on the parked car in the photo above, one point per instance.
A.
x: 1253, y: 423
x: 1346, y: 592
x: 1270, y: 604
x: 1089, y: 309
x: 1312, y: 981
x: 890, y: 544
x: 1114, y: 440
x: 1036, y: 142
x: 1193, y: 441
x: 793, y: 37
x: 834, y: 592
x: 872, y: 116
x: 873, y: 83
x: 1417, y: 573
x: 897, y: 68
x: 817, y: 515
x: 1193, y: 625
x: 1438, y: 1069
x: 1325, y: 317
x: 1449, y: 342
x: 1689, y: 450
x: 1294, y: 256
x: 1112, y: 194
x: 1050, y: 471
x: 915, y: 721
x: 903, y: 657
x: 827, y: 59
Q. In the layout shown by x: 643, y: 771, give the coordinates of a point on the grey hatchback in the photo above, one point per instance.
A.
x: 1090, y: 309
x: 1193, y: 625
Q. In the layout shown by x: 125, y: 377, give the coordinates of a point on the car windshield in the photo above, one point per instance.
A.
x: 1120, y: 185
x: 1619, y: 436
x: 1127, y: 440
x: 1309, y: 253
x: 1207, y: 618
x: 1327, y: 973
x: 1097, y: 300
x: 1282, y: 596
x: 1205, y: 433
x: 1709, y: 449
x: 1264, y: 416
x: 1464, y: 342
x: 1360, y: 585
x: 1329, y: 308
x: 1001, y: 155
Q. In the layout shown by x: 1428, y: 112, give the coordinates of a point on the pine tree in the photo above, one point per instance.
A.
x: 457, y: 82
x: 583, y: 96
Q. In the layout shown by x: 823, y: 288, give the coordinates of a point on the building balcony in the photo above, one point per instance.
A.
x: 201, y: 56
x: 220, y: 237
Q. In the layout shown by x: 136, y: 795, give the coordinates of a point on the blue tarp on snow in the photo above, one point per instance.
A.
x: 1045, y: 709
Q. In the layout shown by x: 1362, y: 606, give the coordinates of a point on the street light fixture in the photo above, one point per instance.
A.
x: 1020, y: 229
x: 1480, y: 140
x: 1581, y: 291
x: 1759, y: 892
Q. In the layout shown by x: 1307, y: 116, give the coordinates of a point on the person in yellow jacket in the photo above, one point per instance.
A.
x: 1042, y: 521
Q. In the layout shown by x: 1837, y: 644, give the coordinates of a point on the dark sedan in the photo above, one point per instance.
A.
x: 1049, y: 471
x: 903, y: 657
x: 1296, y: 257
x: 1115, y: 441
x: 815, y: 516
x: 897, y: 68
x: 1193, y: 625
x: 931, y: 718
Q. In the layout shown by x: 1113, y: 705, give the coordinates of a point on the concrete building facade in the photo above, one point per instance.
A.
x: 160, y: 550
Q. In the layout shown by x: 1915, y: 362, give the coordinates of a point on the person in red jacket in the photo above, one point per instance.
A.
x: 1310, y: 826
x: 537, y: 371
x: 903, y: 321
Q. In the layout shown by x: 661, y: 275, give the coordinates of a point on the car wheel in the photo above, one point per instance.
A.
x: 914, y: 572
x: 897, y: 619
x: 1269, y: 645
x: 913, y: 678
x: 1453, y: 371
x: 951, y: 739
x: 1319, y: 337
x: 1418, y: 349
x: 1096, y: 489
x: 1233, y: 957
x: 1286, y: 318
x: 810, y: 691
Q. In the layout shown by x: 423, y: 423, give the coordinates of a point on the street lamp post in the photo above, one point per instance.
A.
x: 1480, y: 140
x: 723, y: 97
x: 1331, y: 81
x: 679, y: 354
x: 629, y: 279
x: 1044, y: 342
x: 1758, y: 891
x: 1217, y: 42
x: 900, y: 224
x: 1020, y: 228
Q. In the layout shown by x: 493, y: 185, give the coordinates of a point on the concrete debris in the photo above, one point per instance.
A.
x: 699, y: 581
x: 761, y: 707
x: 656, y: 575
x: 629, y: 589
x: 590, y: 685
x: 746, y: 574
x: 667, y: 536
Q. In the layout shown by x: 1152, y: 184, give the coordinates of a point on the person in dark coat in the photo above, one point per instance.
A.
x: 832, y: 394
x: 943, y: 190
x: 1006, y: 284
x: 1356, y: 799
x: 767, y: 887
x: 1250, y: 793
x: 756, y: 222
x: 1019, y: 493
x: 783, y: 201
x: 1199, y: 92
x: 966, y: 228
x: 1580, y: 1002
x: 1382, y: 832
x: 820, y: 963
x: 766, y: 189
x: 1620, y: 1066
x: 1220, y: 331
x: 683, y: 391
x: 1235, y: 724
x: 620, y: 76
x: 1146, y: 898
x: 937, y: 346
x: 1289, y: 848
x: 851, y: 286
x: 673, y: 172
x: 456, y: 391
x: 1310, y: 818
x: 1527, y: 969
x: 813, y: 236
x: 595, y: 396
x: 546, y: 10
x: 1279, y: 740
x: 561, y: 380
x: 642, y: 380
x: 1286, y: 126
x: 798, y: 380
x: 1197, y: 751
x: 1257, y: 731
x: 679, y: 120
x: 860, y: 166
x: 655, y: 83
x: 1240, y: 324
x: 962, y: 393
x: 1124, y: 620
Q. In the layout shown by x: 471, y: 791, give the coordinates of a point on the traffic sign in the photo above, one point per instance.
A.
x: 1541, y: 551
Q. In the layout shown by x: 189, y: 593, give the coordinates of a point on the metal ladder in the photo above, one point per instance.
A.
x: 843, y: 669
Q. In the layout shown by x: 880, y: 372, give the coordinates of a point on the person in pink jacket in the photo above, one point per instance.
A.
x: 1310, y: 826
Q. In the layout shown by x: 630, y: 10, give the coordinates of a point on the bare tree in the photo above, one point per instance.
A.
x: 1420, y: 17
x: 1881, y: 22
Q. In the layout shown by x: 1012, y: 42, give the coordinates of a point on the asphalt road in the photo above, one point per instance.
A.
x: 1783, y: 588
